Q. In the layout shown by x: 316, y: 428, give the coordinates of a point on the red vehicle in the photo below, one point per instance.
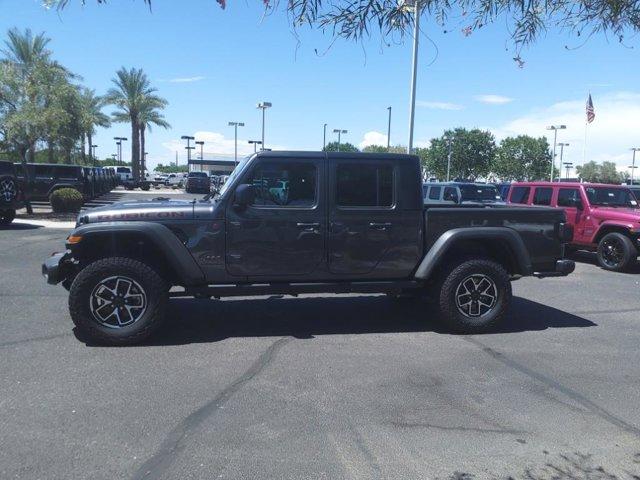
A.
x: 605, y: 218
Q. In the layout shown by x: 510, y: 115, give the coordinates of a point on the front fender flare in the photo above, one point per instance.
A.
x: 175, y: 252
x: 448, y: 239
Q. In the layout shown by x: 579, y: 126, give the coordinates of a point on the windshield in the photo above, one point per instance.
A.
x: 237, y: 171
x: 198, y: 174
x: 479, y: 193
x: 124, y: 170
x: 611, y: 197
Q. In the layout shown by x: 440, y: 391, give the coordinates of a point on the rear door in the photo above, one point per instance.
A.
x: 364, y: 215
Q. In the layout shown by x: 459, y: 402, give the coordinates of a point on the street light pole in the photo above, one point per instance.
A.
x: 235, y: 126
x: 188, y: 138
x: 562, y: 145
x: 201, y: 143
x: 119, y: 141
x: 633, y: 162
x: 449, y: 159
x: 567, y: 166
x: 389, y: 129
x: 555, y: 129
x: 254, y: 143
x: 263, y: 106
x: 324, y: 137
x: 339, y: 132
x: 93, y: 154
x: 414, y: 73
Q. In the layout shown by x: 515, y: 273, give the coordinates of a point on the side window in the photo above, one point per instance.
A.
x: 364, y: 185
x: 284, y: 184
x: 434, y: 193
x: 450, y: 194
x: 44, y: 171
x: 542, y: 196
x: 520, y: 194
x: 568, y: 197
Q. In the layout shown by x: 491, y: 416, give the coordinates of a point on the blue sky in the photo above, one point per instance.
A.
x: 214, y: 65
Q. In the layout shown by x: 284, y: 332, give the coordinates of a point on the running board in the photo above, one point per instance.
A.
x: 279, y: 288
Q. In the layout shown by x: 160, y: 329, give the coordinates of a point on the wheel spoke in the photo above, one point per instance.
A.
x: 105, y: 311
x: 117, y: 302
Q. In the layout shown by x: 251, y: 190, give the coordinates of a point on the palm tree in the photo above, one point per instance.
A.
x: 92, y: 117
x: 132, y: 91
x: 149, y: 115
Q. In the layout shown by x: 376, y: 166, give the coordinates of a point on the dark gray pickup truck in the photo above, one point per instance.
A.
x: 303, y: 222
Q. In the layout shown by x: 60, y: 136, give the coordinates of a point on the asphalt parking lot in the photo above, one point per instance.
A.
x: 321, y: 387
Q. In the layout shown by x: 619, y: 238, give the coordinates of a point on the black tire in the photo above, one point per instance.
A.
x: 145, y: 186
x: 479, y: 274
x: 7, y: 216
x: 91, y: 287
x: 616, y: 252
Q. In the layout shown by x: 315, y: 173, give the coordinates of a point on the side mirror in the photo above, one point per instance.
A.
x: 245, y: 195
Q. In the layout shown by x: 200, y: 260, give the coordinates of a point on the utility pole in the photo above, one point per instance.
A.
x: 339, y: 132
x: 235, y: 126
x: 555, y: 129
x: 633, y: 162
x: 324, y: 137
x: 263, y: 106
x: 389, y: 130
x: 414, y: 73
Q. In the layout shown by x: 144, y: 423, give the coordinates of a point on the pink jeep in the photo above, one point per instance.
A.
x: 605, y: 218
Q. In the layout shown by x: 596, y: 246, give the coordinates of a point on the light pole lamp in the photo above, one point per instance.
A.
x: 339, y: 132
x: 555, y: 129
x: 633, y: 162
x: 235, y: 126
x: 254, y: 143
x: 263, y: 106
x: 188, y: 138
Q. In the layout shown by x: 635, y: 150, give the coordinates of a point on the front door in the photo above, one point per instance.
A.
x: 568, y: 199
x: 363, y: 216
x: 283, y: 232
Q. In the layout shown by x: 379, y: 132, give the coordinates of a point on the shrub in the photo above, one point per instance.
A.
x: 66, y: 200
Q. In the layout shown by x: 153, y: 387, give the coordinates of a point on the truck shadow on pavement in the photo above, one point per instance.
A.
x: 199, y: 321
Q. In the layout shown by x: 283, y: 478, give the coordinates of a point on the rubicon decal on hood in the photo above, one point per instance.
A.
x: 139, y: 216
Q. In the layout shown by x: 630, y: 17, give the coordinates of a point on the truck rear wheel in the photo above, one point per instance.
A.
x: 474, y: 296
x: 616, y: 252
x: 118, y: 301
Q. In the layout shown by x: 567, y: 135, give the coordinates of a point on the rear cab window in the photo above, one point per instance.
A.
x: 365, y: 185
x: 542, y: 196
x: 568, y: 197
x: 434, y: 193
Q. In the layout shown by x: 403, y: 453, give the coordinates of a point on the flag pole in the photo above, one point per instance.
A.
x: 584, y: 145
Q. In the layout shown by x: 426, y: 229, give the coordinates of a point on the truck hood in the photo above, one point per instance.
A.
x: 149, y: 210
x: 631, y: 215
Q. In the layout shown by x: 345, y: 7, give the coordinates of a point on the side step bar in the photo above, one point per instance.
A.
x: 251, y: 289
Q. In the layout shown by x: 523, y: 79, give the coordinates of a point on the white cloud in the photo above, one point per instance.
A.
x: 373, y: 138
x: 439, y: 105
x: 493, y: 99
x: 609, y: 137
x: 186, y: 79
x: 216, y: 145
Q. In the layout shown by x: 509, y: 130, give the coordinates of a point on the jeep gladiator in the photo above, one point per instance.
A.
x: 303, y: 222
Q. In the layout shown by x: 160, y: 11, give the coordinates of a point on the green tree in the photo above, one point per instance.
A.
x: 522, y: 158
x: 92, y: 117
x: 472, y: 154
x: 375, y: 149
x: 606, y: 172
x: 341, y: 147
x: 131, y: 92
x: 149, y: 116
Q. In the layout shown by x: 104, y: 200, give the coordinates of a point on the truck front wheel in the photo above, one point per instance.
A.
x: 7, y: 216
x: 474, y: 295
x: 616, y: 252
x: 118, y: 301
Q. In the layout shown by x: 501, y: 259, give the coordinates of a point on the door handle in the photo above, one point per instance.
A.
x: 308, y: 225
x: 379, y: 226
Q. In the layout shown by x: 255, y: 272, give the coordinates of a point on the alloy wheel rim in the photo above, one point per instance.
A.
x: 476, y: 296
x: 7, y: 190
x: 118, y: 302
x: 612, y: 253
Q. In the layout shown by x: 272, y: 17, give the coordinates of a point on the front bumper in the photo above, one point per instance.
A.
x: 563, y: 268
x: 57, y: 267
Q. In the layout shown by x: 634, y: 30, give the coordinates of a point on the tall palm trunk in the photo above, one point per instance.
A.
x: 135, y: 149
x: 143, y: 165
x: 82, y: 149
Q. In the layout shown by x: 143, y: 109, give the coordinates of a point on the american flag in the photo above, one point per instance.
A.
x: 591, y: 113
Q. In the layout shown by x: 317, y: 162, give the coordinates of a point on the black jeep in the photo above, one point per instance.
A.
x: 46, y: 178
x: 11, y: 196
x: 303, y: 222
